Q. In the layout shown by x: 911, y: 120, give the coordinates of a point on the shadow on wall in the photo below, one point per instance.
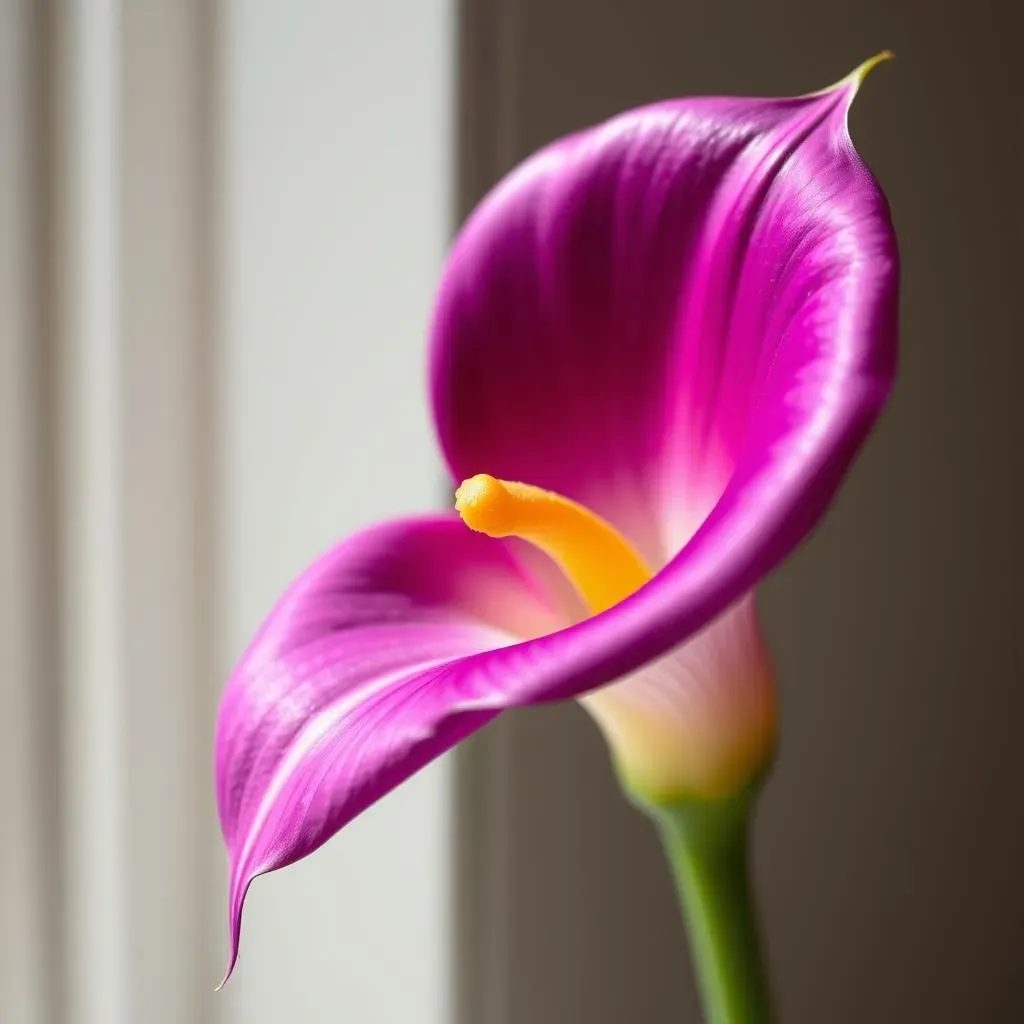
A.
x: 887, y: 847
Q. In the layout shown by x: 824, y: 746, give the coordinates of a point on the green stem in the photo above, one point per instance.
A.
x: 706, y: 844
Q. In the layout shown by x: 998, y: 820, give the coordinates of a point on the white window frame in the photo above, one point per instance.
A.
x: 106, y: 360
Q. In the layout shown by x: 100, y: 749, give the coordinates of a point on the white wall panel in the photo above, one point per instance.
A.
x: 335, y: 182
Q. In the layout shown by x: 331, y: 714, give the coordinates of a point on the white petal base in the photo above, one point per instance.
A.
x: 701, y: 720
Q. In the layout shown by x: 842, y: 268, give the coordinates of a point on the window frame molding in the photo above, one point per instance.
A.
x: 107, y: 369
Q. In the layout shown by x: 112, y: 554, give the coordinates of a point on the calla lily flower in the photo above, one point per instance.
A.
x: 657, y: 346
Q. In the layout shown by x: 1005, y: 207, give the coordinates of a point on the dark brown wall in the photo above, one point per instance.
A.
x: 890, y: 840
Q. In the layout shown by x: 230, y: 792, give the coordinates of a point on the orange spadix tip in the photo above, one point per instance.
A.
x: 486, y: 505
x: 594, y: 556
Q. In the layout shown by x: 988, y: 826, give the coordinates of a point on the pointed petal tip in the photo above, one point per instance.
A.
x: 852, y: 82
x: 859, y: 73
x: 239, y: 889
x: 232, y: 961
x: 844, y: 92
x: 229, y: 970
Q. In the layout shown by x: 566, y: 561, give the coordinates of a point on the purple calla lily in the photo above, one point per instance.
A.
x: 682, y: 320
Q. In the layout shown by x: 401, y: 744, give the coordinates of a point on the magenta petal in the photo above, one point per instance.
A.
x: 353, y: 684
x: 686, y: 319
x: 628, y: 315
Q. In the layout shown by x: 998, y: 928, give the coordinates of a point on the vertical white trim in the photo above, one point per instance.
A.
x: 131, y: 348
x: 165, y: 497
x: 89, y: 525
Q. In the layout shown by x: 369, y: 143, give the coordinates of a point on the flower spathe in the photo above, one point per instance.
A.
x: 682, y: 323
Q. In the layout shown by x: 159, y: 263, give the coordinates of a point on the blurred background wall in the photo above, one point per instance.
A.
x: 220, y: 228
x: 890, y: 837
